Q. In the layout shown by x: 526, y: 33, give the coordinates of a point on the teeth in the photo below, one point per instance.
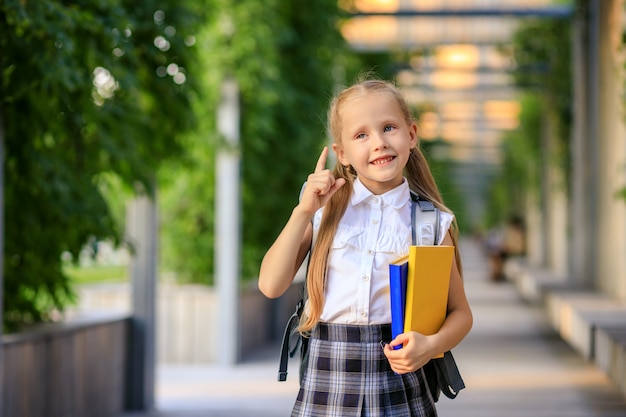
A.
x: 382, y: 161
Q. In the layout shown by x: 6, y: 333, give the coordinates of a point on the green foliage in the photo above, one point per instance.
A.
x: 96, y: 274
x: 84, y: 91
x: 541, y: 50
x: 287, y: 58
x: 442, y: 169
x: 187, y: 212
x: 521, y: 165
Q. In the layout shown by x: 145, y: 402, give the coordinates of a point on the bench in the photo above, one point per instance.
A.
x: 593, y: 323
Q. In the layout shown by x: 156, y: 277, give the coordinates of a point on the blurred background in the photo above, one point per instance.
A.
x: 151, y: 152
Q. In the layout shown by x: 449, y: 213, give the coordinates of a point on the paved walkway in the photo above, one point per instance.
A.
x: 513, y: 363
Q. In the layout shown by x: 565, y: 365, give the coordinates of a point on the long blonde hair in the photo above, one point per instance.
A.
x: 417, y: 172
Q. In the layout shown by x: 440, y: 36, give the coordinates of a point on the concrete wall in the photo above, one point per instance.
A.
x: 76, y: 369
x: 187, y: 330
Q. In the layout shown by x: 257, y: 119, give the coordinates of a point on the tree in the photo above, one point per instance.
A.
x: 88, y: 88
x: 287, y: 57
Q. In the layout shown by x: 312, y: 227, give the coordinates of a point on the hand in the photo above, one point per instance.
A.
x: 320, y: 186
x: 416, y: 352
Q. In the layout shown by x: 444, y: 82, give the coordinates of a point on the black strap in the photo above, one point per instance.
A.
x: 448, y: 375
x: 291, y: 329
x: 286, y: 351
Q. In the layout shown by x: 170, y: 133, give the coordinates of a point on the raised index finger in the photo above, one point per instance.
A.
x: 321, y: 162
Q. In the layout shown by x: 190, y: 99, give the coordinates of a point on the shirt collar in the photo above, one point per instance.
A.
x: 395, y: 198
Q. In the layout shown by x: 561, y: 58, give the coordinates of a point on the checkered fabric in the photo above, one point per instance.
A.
x: 348, y: 375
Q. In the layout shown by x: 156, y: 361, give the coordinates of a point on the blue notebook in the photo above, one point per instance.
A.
x: 398, y: 271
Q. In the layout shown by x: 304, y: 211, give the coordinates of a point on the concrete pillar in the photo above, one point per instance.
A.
x: 555, y: 198
x: 142, y: 234
x: 227, y: 226
x: 535, y: 249
x: 581, y: 248
x: 592, y: 141
x: 611, y: 173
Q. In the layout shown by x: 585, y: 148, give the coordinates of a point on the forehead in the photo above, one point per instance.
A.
x: 362, y: 108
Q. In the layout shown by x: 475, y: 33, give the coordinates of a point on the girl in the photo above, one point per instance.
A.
x: 358, y: 217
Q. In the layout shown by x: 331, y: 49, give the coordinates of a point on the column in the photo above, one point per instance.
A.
x: 227, y: 229
x: 142, y: 234
x: 611, y: 152
x: 579, y: 264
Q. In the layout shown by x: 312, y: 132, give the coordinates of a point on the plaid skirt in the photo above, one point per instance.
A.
x: 348, y: 375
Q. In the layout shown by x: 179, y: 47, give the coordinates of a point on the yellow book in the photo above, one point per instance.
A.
x: 428, y: 282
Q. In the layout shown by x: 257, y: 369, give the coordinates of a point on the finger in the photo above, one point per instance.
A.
x: 400, y: 339
x: 321, y: 162
x: 321, y: 184
x: 337, y: 184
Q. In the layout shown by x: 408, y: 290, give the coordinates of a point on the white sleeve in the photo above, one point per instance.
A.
x: 445, y: 222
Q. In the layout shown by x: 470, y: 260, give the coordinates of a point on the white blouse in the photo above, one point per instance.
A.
x: 374, y: 231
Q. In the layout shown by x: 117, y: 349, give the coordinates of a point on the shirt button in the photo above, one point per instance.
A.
x: 370, y: 252
x: 365, y: 278
x: 363, y: 314
x: 375, y: 221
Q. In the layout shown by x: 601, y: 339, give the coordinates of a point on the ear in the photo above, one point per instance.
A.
x: 341, y: 155
x: 413, y: 135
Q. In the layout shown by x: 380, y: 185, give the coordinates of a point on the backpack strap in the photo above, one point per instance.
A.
x: 286, y: 350
x: 291, y: 334
x: 429, y: 225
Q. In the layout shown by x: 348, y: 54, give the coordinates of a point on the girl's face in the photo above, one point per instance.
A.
x: 376, y: 140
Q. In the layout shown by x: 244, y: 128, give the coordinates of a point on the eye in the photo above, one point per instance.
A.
x: 360, y: 136
x: 388, y: 128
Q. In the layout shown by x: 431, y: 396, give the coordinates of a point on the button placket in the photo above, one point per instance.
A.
x: 373, y: 231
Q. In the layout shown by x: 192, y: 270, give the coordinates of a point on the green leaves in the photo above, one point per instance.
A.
x: 81, y: 95
x: 272, y: 48
x: 541, y: 50
x: 101, y: 95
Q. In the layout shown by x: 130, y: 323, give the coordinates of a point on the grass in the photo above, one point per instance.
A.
x: 97, y: 274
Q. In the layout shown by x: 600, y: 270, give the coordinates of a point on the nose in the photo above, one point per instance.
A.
x: 379, y: 141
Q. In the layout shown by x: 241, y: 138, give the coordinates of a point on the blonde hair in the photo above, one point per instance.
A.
x: 417, y: 172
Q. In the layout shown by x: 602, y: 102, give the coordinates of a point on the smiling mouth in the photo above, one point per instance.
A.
x: 381, y: 161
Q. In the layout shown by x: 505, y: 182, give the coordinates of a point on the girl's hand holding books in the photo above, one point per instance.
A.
x: 417, y: 350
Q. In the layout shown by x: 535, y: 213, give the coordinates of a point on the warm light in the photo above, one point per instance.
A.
x: 484, y: 154
x: 459, y: 110
x: 452, y: 80
x: 502, y: 108
x: 465, y: 135
x: 453, y: 63
x: 469, y: 4
x: 372, y: 30
x: 429, y: 125
x: 502, y: 114
x: 460, y: 107
x: 457, y: 56
x: 426, y: 4
x: 458, y: 132
x: 377, y: 5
